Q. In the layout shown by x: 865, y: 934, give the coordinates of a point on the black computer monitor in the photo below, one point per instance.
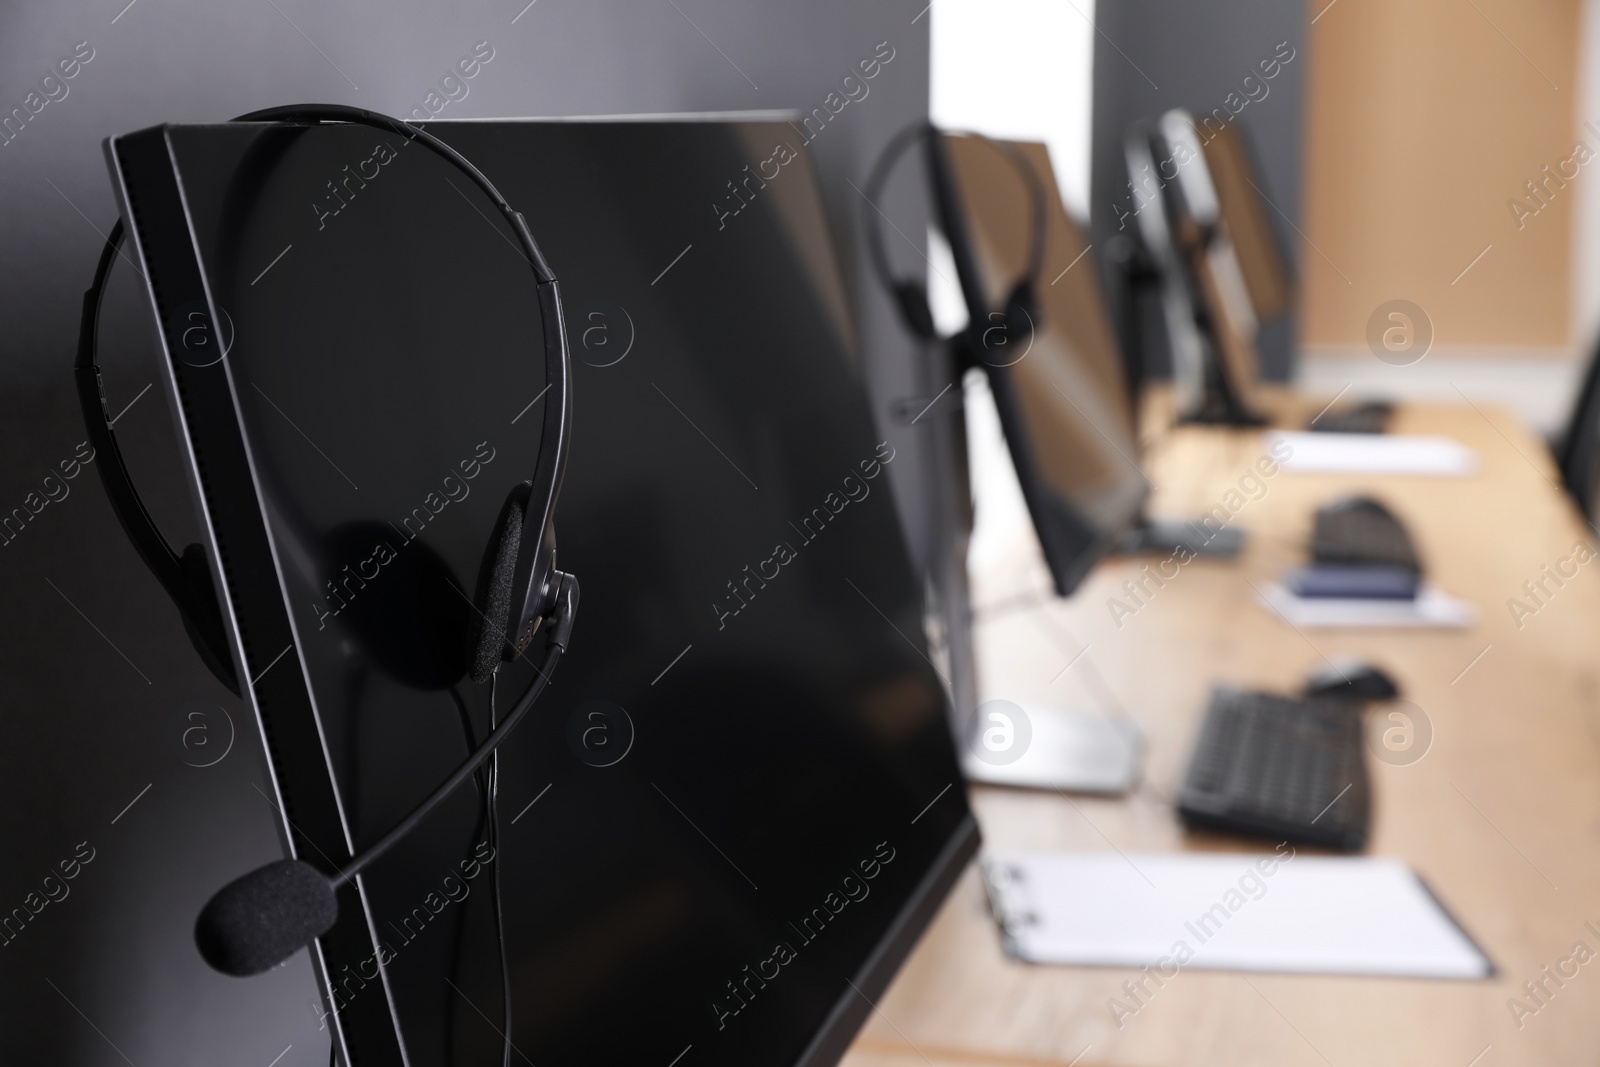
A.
x: 1243, y: 206
x: 1058, y: 381
x: 738, y: 804
x: 1206, y: 253
x: 1577, y: 452
x: 1184, y: 258
x: 1155, y: 268
x: 1077, y: 340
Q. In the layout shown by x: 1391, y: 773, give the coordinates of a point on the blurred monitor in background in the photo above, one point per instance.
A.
x: 1058, y: 382
x: 1242, y: 204
x: 1203, y: 237
x: 1187, y: 347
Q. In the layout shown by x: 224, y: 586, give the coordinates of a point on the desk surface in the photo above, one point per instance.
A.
x: 1501, y: 816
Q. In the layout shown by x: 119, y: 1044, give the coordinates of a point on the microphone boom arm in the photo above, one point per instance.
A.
x: 560, y: 631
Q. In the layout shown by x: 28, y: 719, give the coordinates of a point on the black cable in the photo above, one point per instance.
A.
x: 492, y: 806
x: 468, y: 732
x: 488, y: 826
x: 461, y: 773
x: 452, y: 1003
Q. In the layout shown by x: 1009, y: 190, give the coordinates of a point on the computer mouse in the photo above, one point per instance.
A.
x: 1352, y: 680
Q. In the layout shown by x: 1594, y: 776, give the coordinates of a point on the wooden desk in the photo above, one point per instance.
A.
x: 1501, y: 816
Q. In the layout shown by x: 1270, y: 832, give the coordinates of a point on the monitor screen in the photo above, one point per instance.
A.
x: 738, y: 801
x: 1060, y: 386
x: 1187, y: 348
x: 1206, y: 250
x: 1243, y: 206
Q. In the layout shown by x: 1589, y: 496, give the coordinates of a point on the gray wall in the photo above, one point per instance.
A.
x: 93, y: 659
x: 1152, y: 55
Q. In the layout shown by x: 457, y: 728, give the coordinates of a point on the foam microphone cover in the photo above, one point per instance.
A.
x: 257, y: 921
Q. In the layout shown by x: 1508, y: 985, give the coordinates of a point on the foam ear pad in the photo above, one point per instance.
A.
x: 491, y: 623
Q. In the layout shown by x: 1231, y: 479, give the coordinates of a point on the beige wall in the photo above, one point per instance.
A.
x: 1423, y: 120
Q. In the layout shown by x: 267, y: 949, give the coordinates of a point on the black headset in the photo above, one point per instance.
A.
x: 262, y: 918
x: 910, y: 294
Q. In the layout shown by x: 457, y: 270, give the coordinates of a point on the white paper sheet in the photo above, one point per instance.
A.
x: 1373, y: 453
x: 1433, y: 607
x: 1227, y: 911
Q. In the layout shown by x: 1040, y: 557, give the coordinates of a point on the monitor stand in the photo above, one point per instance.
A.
x: 1221, y: 404
x: 1156, y: 537
x: 1065, y: 751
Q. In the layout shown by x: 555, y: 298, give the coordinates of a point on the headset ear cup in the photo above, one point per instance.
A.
x: 487, y: 632
x: 914, y: 307
x: 1022, y: 314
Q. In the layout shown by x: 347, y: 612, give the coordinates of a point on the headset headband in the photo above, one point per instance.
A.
x: 186, y: 577
x: 909, y: 292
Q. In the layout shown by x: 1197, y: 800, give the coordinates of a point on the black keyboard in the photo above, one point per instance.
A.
x: 1280, y: 767
x: 1361, y: 531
